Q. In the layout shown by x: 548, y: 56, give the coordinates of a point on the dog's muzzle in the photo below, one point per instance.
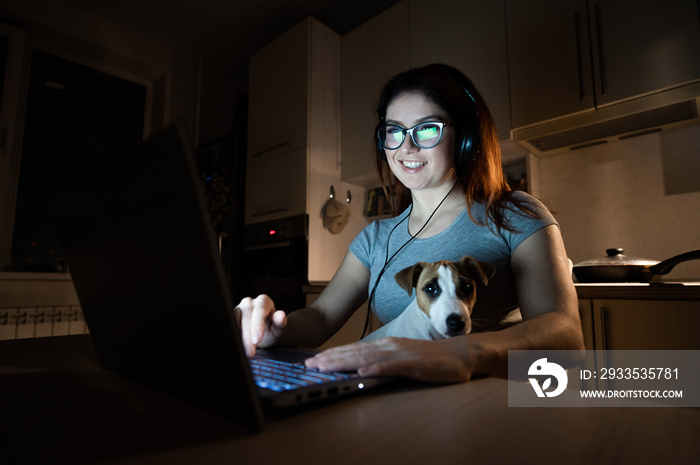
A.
x: 455, y: 323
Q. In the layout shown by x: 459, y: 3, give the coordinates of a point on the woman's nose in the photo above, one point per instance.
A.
x: 408, y: 146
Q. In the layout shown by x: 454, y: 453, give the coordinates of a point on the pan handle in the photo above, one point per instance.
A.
x: 667, y: 265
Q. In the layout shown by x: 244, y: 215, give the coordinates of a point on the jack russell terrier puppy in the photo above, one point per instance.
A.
x: 445, y: 298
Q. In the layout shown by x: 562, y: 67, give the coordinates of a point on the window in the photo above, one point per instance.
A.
x: 76, y: 119
x: 79, y: 103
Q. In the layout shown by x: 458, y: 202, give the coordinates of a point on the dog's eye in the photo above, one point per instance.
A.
x: 432, y: 289
x: 465, y: 287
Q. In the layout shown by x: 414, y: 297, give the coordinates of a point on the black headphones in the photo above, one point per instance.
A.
x: 465, y: 145
x: 465, y: 138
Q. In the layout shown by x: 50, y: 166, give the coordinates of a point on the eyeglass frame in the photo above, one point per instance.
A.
x: 409, y: 131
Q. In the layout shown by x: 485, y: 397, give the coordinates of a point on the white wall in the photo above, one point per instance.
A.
x: 624, y: 194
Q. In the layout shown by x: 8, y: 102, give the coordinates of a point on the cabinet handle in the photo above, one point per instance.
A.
x: 603, y: 329
x: 601, y: 55
x: 272, y: 245
x: 257, y: 154
x: 579, y: 57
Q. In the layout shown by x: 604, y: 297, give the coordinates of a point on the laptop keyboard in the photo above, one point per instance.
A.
x: 282, y: 376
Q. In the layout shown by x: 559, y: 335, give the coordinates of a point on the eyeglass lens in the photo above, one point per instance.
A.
x: 424, y: 135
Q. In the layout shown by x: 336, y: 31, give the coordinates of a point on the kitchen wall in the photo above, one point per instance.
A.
x: 641, y: 194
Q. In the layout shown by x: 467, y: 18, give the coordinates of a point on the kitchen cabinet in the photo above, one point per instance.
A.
x: 570, y: 56
x: 278, y: 89
x: 645, y: 324
x: 293, y: 121
x: 412, y: 33
x: 471, y: 36
x: 371, y: 54
x: 276, y: 187
x: 294, y: 138
x: 640, y: 317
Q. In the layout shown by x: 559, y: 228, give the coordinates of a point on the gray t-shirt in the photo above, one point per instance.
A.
x: 497, y: 303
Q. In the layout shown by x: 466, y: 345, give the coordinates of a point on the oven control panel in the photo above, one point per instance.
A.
x: 281, y: 229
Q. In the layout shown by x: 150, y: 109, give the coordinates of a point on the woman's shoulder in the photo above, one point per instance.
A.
x: 522, y: 196
x: 389, y: 223
x: 380, y: 227
x: 523, y: 202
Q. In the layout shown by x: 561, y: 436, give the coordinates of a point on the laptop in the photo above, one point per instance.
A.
x: 143, y: 258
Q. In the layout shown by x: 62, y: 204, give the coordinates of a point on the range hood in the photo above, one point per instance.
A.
x: 652, y: 113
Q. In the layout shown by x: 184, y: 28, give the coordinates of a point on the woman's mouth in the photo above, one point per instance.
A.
x: 413, y: 164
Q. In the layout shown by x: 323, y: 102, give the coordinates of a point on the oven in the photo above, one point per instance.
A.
x: 275, y: 261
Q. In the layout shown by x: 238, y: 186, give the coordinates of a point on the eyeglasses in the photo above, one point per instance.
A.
x: 424, y: 135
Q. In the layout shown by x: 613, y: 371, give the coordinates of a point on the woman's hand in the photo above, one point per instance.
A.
x: 442, y: 361
x: 260, y: 323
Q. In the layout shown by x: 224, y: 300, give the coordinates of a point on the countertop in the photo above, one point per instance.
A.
x: 671, y: 290
x: 65, y: 409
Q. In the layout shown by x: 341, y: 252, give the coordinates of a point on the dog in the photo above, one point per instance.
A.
x: 445, y: 298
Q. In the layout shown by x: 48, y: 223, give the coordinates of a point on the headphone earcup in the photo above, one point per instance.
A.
x: 378, y: 145
x: 464, y: 147
x: 380, y: 149
x: 466, y: 141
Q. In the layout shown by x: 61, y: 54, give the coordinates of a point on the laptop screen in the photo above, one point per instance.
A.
x: 143, y: 258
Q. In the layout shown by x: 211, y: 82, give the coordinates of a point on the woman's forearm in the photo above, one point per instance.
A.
x: 306, y: 327
x: 487, y: 353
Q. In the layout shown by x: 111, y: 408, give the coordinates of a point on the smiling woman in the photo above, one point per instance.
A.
x: 418, y: 161
x: 439, y: 161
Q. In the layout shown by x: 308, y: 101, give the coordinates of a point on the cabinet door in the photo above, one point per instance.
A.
x: 646, y: 324
x: 644, y: 46
x: 371, y: 55
x: 277, y: 110
x: 276, y: 187
x: 472, y: 39
x: 548, y: 53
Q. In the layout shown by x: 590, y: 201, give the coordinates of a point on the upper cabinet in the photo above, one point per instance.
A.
x: 278, y: 110
x: 569, y: 56
x: 470, y: 36
x: 293, y: 141
x: 371, y: 55
x: 549, y: 74
x: 293, y: 123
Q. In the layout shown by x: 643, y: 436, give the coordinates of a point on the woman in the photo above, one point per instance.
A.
x: 439, y: 160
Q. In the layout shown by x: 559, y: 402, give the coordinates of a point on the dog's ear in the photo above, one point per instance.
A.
x: 408, y: 277
x: 484, y: 271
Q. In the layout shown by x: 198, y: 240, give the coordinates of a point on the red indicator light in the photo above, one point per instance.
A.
x: 272, y: 232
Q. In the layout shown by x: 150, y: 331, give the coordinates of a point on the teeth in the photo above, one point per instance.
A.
x: 413, y: 164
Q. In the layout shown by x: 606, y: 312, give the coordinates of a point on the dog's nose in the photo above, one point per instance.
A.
x: 455, y: 323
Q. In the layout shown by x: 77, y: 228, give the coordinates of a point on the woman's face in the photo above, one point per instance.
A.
x: 418, y: 168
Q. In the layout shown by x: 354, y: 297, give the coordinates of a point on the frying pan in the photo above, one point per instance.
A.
x: 619, y: 268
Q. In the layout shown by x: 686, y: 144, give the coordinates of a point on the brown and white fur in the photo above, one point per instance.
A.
x: 445, y: 298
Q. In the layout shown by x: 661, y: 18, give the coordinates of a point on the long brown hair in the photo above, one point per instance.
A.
x: 478, y: 162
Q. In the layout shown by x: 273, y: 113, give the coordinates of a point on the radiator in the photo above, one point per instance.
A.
x: 21, y: 323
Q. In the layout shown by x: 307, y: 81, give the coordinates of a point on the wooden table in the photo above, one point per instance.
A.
x: 58, y: 406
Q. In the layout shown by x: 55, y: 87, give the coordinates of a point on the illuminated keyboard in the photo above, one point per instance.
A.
x: 282, y: 376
